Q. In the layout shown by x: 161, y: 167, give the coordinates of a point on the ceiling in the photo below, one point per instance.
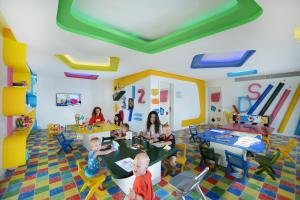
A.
x: 271, y: 35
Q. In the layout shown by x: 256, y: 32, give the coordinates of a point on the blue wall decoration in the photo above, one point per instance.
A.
x: 133, y: 92
x: 242, y: 73
x: 240, y: 106
x: 260, y: 99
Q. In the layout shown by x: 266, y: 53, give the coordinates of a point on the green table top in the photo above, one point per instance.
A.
x: 155, y: 154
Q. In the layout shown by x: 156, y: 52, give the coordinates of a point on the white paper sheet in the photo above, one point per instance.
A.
x: 126, y: 164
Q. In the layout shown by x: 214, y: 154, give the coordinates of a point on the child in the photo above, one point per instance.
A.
x: 142, y: 186
x: 169, y: 139
x: 118, y: 120
x: 93, y: 167
x: 124, y: 133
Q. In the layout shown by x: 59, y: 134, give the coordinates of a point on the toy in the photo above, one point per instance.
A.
x: 79, y: 119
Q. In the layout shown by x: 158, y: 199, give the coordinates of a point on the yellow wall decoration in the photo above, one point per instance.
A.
x: 228, y: 117
x: 130, y: 79
x: 116, y: 107
x: 13, y: 101
x: 297, y: 34
x: 70, y: 62
x: 154, y: 92
x: 289, y: 111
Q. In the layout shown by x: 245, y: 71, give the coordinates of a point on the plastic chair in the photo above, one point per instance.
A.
x: 181, y: 158
x: 266, y: 139
x: 186, y: 182
x: 93, y: 183
x: 266, y: 162
x: 53, y: 130
x: 193, y: 132
x: 64, y: 143
x: 287, y: 149
x: 235, y: 160
x: 208, y: 153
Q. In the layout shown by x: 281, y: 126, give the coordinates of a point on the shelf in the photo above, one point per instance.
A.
x: 14, y: 101
x: 14, y: 148
x: 14, y: 56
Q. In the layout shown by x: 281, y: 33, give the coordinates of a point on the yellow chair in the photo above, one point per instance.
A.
x: 181, y: 158
x: 287, y: 149
x: 266, y: 140
x: 93, y: 183
x: 53, y: 130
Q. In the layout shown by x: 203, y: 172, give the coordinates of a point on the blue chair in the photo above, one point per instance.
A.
x: 235, y: 160
x: 193, y: 132
x: 64, y: 143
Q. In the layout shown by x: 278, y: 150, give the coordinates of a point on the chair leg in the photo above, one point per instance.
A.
x: 83, y: 187
x: 201, y: 193
x: 273, y: 171
x: 91, y: 192
x: 270, y: 173
x: 290, y: 158
x: 259, y: 171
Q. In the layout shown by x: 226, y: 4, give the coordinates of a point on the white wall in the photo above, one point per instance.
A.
x: 186, y: 107
x: 231, y: 90
x: 93, y: 93
x: 3, y: 126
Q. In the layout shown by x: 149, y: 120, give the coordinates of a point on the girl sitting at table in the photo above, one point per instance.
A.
x: 97, y: 116
x: 153, y: 127
x: 118, y: 120
x: 124, y: 133
x: 168, y: 139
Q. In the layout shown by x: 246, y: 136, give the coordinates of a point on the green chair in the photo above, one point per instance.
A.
x: 266, y: 162
x: 208, y: 153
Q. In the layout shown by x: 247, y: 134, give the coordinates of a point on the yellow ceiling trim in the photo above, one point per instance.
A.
x: 130, y: 79
x: 70, y: 62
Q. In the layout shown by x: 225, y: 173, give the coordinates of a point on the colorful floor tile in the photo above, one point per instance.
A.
x: 49, y: 175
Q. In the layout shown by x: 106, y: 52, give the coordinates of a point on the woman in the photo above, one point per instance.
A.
x: 153, y: 126
x: 97, y: 116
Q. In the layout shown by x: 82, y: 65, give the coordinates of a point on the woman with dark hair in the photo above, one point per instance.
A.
x: 97, y: 116
x: 153, y: 126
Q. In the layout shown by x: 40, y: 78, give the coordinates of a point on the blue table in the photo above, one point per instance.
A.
x: 227, y: 143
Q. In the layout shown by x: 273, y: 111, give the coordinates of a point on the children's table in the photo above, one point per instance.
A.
x: 126, y: 149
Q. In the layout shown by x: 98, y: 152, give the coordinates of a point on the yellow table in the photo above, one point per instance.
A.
x: 102, y: 131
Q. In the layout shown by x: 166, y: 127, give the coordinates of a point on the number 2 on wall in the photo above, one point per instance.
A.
x: 141, y: 93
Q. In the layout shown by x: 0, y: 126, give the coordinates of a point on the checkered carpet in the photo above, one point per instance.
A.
x: 49, y: 175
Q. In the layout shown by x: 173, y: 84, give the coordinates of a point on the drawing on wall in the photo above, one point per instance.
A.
x: 161, y: 111
x: 154, y: 92
x: 133, y: 92
x: 138, y: 117
x: 141, y: 93
x: 215, y: 104
x: 164, y: 96
x: 130, y: 104
x: 156, y: 110
x: 179, y: 94
x: 155, y: 101
x: 215, y: 97
x: 123, y: 102
x: 130, y: 108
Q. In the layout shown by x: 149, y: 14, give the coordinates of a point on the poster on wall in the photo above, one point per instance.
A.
x: 215, y: 106
x: 164, y: 96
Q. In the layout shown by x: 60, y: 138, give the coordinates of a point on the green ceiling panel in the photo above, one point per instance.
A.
x: 234, y: 14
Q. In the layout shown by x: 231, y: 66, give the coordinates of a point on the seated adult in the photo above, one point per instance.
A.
x: 153, y: 127
x: 97, y: 116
